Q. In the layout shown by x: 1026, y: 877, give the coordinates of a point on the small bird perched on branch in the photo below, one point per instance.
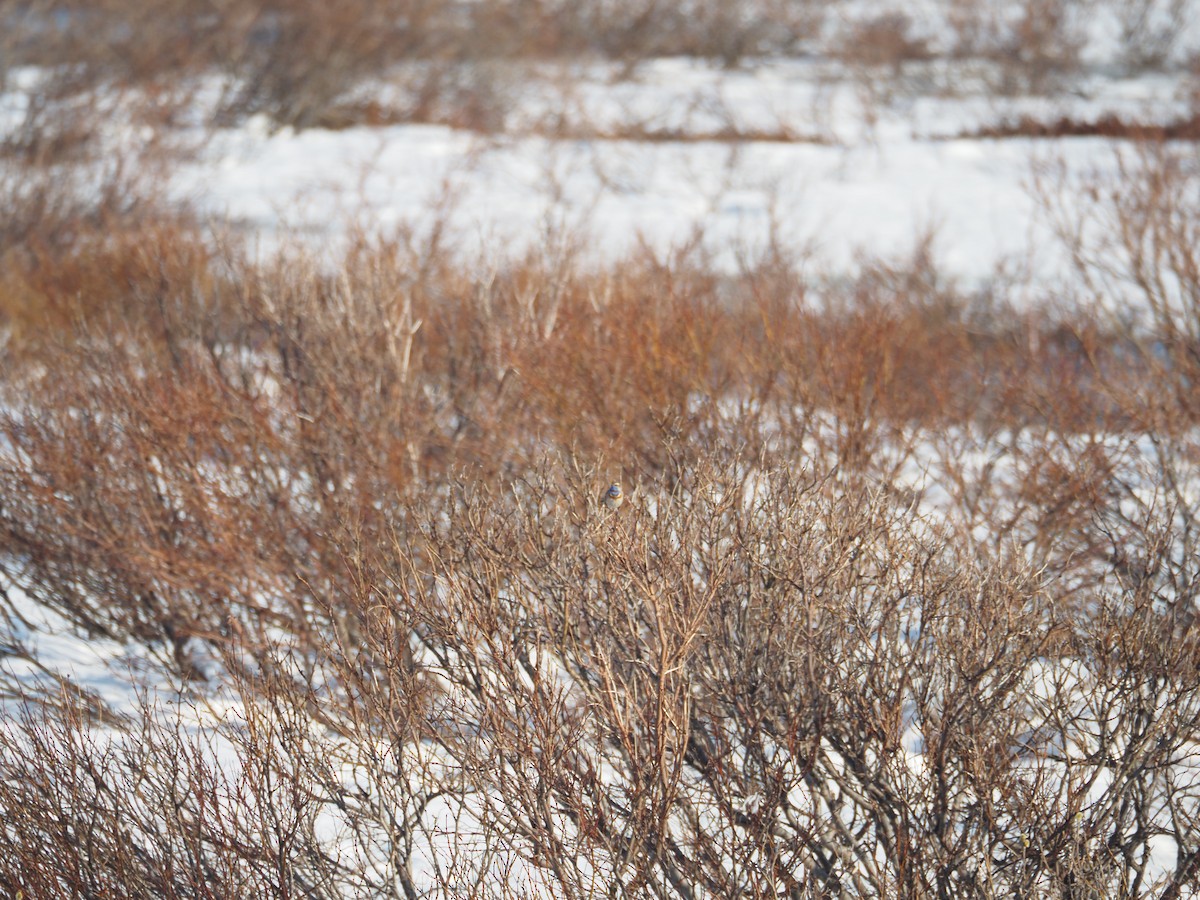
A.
x: 613, y: 497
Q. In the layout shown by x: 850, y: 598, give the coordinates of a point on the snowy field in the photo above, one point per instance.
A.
x: 829, y: 164
x: 857, y: 168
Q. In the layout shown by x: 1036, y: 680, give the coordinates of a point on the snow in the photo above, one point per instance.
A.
x: 880, y: 166
x: 45, y: 651
x: 882, y: 178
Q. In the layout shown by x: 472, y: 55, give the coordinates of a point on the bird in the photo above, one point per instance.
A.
x: 613, y: 497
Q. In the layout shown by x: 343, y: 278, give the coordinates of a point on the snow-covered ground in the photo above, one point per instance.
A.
x: 861, y: 165
x: 870, y: 166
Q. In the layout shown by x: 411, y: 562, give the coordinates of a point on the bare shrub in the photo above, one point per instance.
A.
x: 732, y: 33
x: 302, y: 56
x: 634, y: 30
x: 1150, y: 30
x: 303, y: 63
x: 883, y: 41
x: 901, y: 599
x: 326, y: 393
x: 65, y: 224
x: 1046, y: 41
x: 290, y: 60
x: 1186, y: 128
x: 1036, y: 44
x: 750, y: 681
x: 143, y: 58
x: 114, y: 41
x: 244, y: 810
x: 1132, y: 240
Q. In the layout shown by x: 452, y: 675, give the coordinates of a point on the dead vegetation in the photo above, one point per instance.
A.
x: 901, y: 601
x: 1108, y: 126
x: 308, y: 63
